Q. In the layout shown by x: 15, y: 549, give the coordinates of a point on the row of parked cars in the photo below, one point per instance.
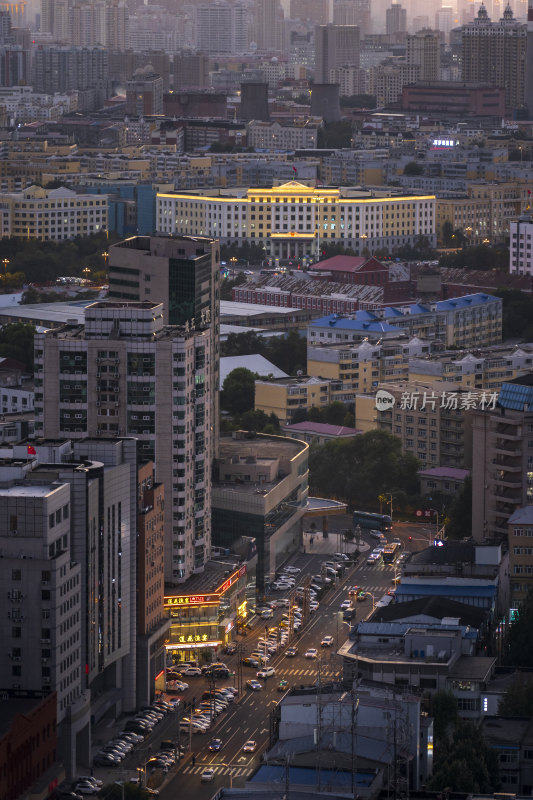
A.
x: 213, y: 702
x: 135, y: 731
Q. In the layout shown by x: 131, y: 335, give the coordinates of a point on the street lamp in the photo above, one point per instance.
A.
x: 105, y: 256
x: 86, y: 271
x: 486, y: 241
x: 5, y: 262
x: 233, y: 261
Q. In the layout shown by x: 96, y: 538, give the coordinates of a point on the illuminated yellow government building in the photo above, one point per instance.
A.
x: 294, y: 220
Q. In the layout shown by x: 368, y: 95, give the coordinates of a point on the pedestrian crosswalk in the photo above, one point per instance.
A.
x: 221, y: 769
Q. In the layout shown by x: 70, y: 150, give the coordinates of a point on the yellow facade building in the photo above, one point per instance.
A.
x: 294, y: 220
x: 53, y: 215
x: 285, y: 396
x: 485, y: 213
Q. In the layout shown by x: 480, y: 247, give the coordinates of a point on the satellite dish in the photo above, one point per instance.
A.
x: 299, y: 373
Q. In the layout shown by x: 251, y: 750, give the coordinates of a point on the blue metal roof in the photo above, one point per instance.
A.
x: 359, y: 323
x: 453, y: 590
x: 516, y: 396
x: 468, y: 300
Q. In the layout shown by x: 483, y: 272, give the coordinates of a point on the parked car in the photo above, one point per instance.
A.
x: 191, y: 671
x: 84, y: 787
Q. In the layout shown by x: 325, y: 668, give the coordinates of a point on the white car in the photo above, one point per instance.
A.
x: 345, y: 604
x: 327, y: 641
x: 293, y: 570
x: 373, y: 558
x: 268, y: 672
x: 312, y: 652
x: 208, y: 775
x: 89, y: 778
x: 191, y: 671
x: 85, y: 788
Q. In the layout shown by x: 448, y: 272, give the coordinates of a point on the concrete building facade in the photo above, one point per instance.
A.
x: 100, y: 379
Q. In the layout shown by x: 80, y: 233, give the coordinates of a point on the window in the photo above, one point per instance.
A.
x: 16, y: 575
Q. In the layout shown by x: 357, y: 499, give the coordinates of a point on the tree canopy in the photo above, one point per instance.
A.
x: 464, y: 762
x: 517, y: 314
x: 287, y: 352
x: 358, y: 470
x: 480, y: 256
x: 16, y: 341
x: 517, y: 700
x: 459, y: 516
x: 238, y: 391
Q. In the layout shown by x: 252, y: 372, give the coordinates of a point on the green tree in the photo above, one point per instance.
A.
x: 335, y: 134
x: 334, y: 413
x: 517, y: 314
x: 238, y: 391
x: 16, y: 341
x: 517, y: 700
x: 479, y: 257
x: 413, y: 168
x: 359, y: 469
x: 243, y: 344
x: 367, y: 101
x: 300, y: 415
x: 444, y: 713
x: 459, y: 516
x: 256, y: 421
x: 520, y: 646
x: 464, y: 762
x: 315, y: 414
x: 229, y: 283
x: 288, y: 352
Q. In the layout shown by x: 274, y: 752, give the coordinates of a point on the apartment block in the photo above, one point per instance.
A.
x: 366, y: 364
x: 472, y: 320
x: 284, y: 396
x: 301, y: 135
x: 521, y: 240
x: 124, y: 373
x: 520, y: 538
x: 293, y: 220
x: 483, y: 368
x: 484, y: 213
x: 433, y: 421
x: 51, y: 215
x: 502, y: 468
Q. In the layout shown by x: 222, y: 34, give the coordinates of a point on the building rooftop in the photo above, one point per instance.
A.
x: 231, y: 308
x: 453, y: 473
x: 255, y: 363
x: 436, y: 607
x: 508, y: 730
x: 29, y: 490
x: 444, y: 589
x: 321, y: 428
x: 214, y: 574
x: 522, y: 516
x: 448, y: 553
x: 478, y: 668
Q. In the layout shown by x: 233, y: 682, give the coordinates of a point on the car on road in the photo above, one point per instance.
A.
x: 230, y: 648
x: 283, y: 686
x: 342, y: 556
x: 215, y: 745
x: 327, y: 641
x: 250, y: 662
x: 191, y: 671
x: 84, y: 778
x: 375, y: 534
x: 311, y: 652
x: 267, y: 613
x: 345, y: 604
x: 208, y: 775
x: 361, y: 595
x: 378, y: 550
x: 249, y: 746
x: 373, y: 558
x: 267, y: 672
x: 292, y: 652
x: 254, y: 686
x: 404, y: 557
x: 84, y: 787
x: 292, y: 570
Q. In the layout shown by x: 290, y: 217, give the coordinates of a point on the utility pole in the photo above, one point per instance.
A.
x: 355, y: 709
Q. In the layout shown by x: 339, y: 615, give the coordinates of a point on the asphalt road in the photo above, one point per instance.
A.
x: 249, y: 717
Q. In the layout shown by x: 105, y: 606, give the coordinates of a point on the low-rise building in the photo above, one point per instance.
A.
x: 302, y: 134
x: 511, y: 739
x: 260, y: 490
x: 285, y: 396
x: 444, y: 481
x: 318, y: 432
x: 51, y: 214
x: 470, y: 321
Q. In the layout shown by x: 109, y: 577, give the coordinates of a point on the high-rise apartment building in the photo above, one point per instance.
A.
x: 336, y: 46
x: 396, y: 22
x: 423, y: 50
x: 221, y: 27
x: 125, y: 373
x: 68, y: 567
x: 58, y: 69
x: 269, y: 27
x: 191, y: 71
x: 314, y: 11
x: 495, y: 53
x: 502, y: 465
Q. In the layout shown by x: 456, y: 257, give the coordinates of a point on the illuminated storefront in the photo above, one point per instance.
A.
x: 201, y: 624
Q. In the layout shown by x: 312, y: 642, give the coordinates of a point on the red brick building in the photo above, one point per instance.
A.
x: 27, y: 743
x: 352, y: 269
